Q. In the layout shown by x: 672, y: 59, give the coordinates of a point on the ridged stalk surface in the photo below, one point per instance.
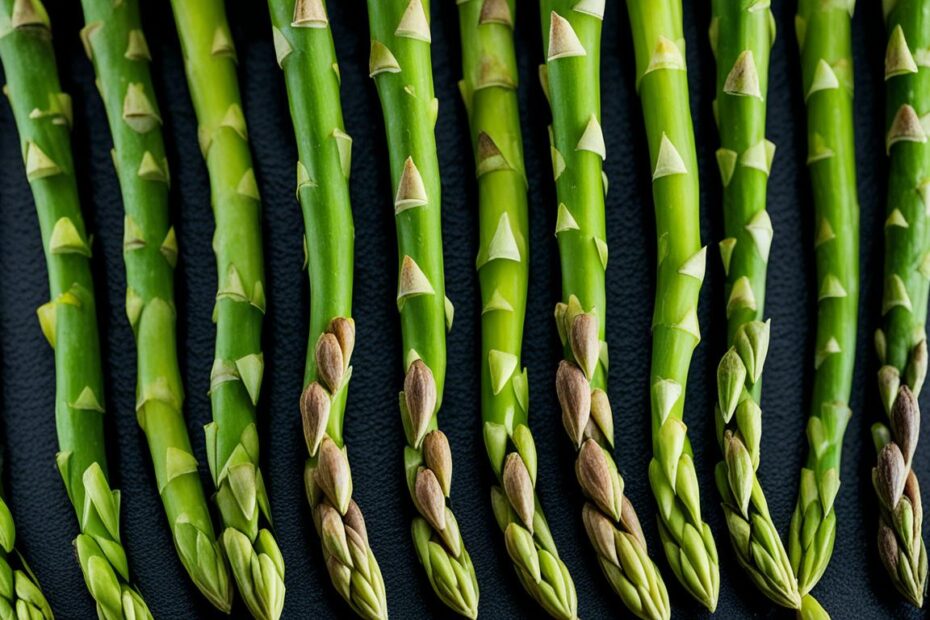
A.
x: 304, y: 49
x: 69, y: 320
x: 823, y: 33
x: 901, y: 341
x: 489, y: 89
x: 571, y: 80
x: 238, y: 367
x: 400, y: 64
x: 741, y: 36
x: 662, y: 82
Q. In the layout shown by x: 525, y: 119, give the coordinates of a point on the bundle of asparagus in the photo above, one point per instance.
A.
x: 401, y: 67
x: 662, y: 82
x: 823, y: 31
x: 571, y: 80
x: 489, y: 89
x: 901, y: 342
x: 304, y: 49
x: 68, y: 321
x: 741, y: 37
x: 236, y: 378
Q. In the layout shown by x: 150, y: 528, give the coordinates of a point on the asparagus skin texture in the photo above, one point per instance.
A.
x: 20, y: 593
x: 489, y: 89
x: 823, y: 32
x: 901, y: 341
x: 69, y: 321
x: 571, y: 80
x: 741, y: 37
x: 662, y: 82
x: 304, y: 49
x: 115, y: 43
x: 401, y: 67
x: 235, y: 381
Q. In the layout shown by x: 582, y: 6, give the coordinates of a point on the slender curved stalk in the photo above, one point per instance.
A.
x: 571, y: 80
x: 236, y: 378
x: 69, y: 321
x: 741, y: 36
x: 823, y: 31
x: 489, y: 89
x: 304, y: 48
x: 401, y: 67
x: 662, y: 81
x: 115, y: 43
x: 901, y: 341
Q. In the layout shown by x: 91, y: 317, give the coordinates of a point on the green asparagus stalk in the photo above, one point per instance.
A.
x: 571, y: 80
x: 741, y: 36
x: 489, y: 89
x: 69, y: 321
x: 401, y: 67
x: 236, y: 378
x: 902, y: 339
x: 823, y: 31
x: 304, y: 48
x: 115, y: 43
x: 662, y: 82
x: 20, y: 594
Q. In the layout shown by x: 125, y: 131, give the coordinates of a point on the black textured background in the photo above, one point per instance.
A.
x: 854, y: 586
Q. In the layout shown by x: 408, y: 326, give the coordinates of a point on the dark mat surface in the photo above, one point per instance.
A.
x: 854, y: 586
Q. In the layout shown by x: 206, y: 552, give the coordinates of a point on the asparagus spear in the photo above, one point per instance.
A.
x: 235, y: 381
x: 20, y: 594
x: 823, y: 31
x: 401, y: 67
x: 741, y: 36
x: 69, y: 321
x: 571, y: 80
x: 304, y: 48
x: 115, y: 43
x: 902, y: 339
x: 662, y: 81
x: 489, y: 89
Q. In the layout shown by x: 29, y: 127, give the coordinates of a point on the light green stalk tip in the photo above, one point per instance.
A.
x: 453, y: 578
x: 811, y: 609
x: 259, y: 571
x: 203, y: 559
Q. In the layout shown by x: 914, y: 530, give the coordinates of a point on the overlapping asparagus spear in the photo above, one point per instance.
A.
x: 571, y: 79
x: 823, y: 31
x: 662, y: 82
x: 114, y: 41
x: 401, y: 67
x: 901, y: 342
x: 20, y: 594
x: 489, y: 89
x: 741, y: 36
x: 304, y: 49
x: 69, y: 320
x: 236, y: 378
